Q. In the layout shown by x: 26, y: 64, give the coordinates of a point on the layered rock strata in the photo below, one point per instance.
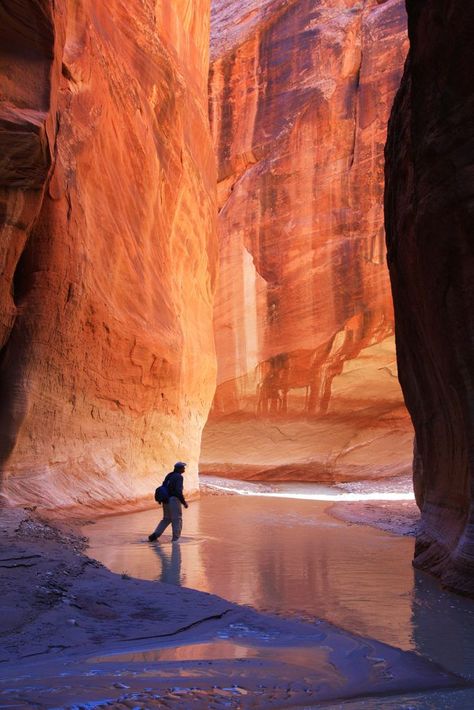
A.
x: 108, y: 251
x: 300, y: 94
x: 430, y: 222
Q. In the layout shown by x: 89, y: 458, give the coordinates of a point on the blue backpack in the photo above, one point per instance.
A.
x: 162, y: 494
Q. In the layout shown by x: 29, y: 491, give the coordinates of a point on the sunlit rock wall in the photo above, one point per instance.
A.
x: 430, y: 226
x: 300, y: 94
x: 108, y: 251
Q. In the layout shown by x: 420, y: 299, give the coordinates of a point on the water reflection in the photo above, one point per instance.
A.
x: 288, y: 555
x: 291, y: 557
x: 314, y: 658
x: 275, y: 554
x: 170, y: 563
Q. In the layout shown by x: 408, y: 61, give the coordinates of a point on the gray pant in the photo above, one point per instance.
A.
x: 172, y: 514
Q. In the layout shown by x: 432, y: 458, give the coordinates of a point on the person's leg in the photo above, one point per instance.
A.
x: 176, y: 517
x: 163, y: 524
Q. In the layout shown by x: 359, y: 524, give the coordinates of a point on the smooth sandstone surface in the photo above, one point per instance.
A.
x: 429, y: 222
x: 108, y: 248
x: 300, y: 94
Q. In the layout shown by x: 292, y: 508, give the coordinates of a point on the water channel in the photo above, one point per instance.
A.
x: 289, y: 555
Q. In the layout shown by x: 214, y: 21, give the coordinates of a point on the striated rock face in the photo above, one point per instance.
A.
x: 107, y: 248
x: 430, y: 223
x: 300, y: 96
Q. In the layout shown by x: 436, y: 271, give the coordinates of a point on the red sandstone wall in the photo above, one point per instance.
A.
x: 108, y: 254
x: 300, y: 96
x: 429, y: 221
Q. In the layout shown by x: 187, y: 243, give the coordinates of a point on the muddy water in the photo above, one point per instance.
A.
x: 290, y: 556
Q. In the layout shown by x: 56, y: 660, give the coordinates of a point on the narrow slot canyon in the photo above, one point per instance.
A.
x: 236, y: 235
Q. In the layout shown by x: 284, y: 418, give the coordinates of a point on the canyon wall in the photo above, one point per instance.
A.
x: 430, y: 222
x: 300, y: 94
x: 108, y: 247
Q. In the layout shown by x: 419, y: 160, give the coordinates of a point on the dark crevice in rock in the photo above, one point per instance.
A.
x: 356, y: 89
x: 21, y: 283
x: 13, y: 390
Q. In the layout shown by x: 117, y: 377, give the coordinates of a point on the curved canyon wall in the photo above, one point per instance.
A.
x: 108, y: 248
x: 300, y: 94
x: 429, y: 224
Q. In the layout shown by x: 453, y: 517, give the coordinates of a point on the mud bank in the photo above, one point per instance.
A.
x: 73, y: 632
x: 398, y: 517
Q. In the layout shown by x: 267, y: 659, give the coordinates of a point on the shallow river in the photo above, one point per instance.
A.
x: 290, y: 556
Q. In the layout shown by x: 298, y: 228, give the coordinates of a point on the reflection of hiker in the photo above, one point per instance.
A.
x: 170, y: 564
x: 172, y: 513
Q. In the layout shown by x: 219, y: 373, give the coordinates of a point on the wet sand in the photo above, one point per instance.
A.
x: 293, y: 558
x: 401, y: 517
x: 397, y: 517
x: 76, y: 635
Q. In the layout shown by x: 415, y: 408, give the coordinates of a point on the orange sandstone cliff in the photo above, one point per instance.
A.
x: 430, y: 225
x: 300, y: 94
x: 108, y: 251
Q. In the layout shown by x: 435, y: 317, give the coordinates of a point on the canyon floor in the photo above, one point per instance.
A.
x: 398, y: 516
x: 76, y: 635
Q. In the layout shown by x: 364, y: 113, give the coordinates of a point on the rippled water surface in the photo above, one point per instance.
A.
x: 290, y: 556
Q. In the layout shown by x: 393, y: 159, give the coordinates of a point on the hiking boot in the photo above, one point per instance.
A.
x: 153, y: 537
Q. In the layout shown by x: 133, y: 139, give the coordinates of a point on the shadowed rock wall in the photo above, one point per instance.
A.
x: 300, y: 94
x: 430, y: 226
x: 108, y: 252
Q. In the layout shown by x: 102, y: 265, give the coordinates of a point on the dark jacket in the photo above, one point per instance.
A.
x: 174, y: 483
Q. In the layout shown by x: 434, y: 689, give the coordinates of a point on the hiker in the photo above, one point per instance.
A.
x: 172, y: 507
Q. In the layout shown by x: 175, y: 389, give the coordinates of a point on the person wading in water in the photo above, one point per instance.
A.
x: 172, y: 511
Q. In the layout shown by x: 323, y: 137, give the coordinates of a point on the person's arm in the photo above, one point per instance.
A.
x: 179, y: 491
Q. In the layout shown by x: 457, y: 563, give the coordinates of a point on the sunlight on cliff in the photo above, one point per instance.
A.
x: 336, y: 496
